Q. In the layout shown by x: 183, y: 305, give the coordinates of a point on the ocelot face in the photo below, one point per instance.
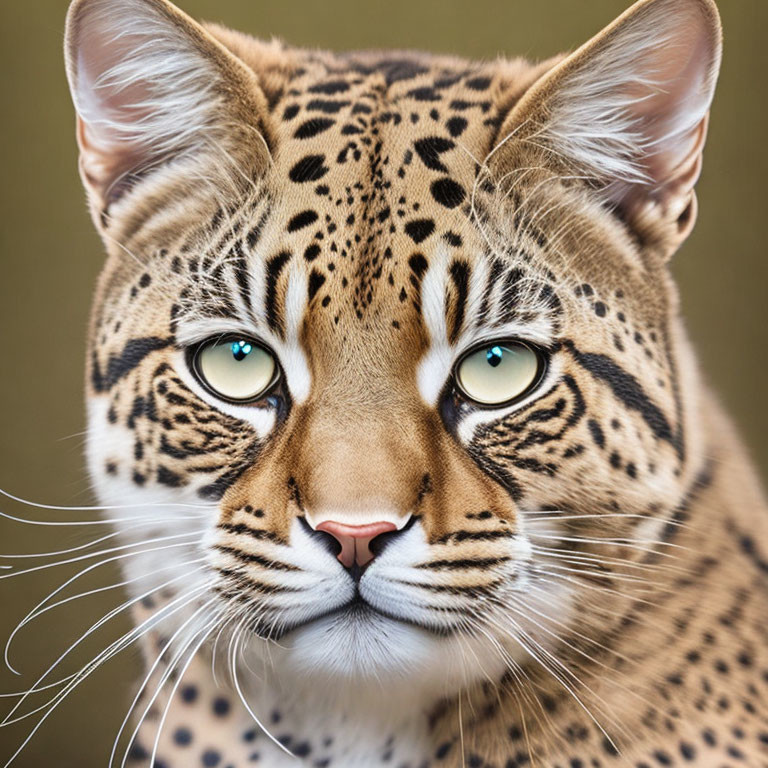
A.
x: 388, y: 386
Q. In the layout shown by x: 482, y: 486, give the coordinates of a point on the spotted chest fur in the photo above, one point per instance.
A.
x: 570, y: 576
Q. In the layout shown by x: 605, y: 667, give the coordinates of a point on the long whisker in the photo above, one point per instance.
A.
x: 203, y: 636
x: 41, y: 607
x: 169, y: 671
x: 98, y: 553
x: 94, y: 627
x: 93, y: 508
x: 258, y: 722
x: 114, y: 648
x: 53, y: 553
x: 142, y: 688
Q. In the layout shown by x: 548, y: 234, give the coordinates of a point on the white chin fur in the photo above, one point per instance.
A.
x: 369, y: 650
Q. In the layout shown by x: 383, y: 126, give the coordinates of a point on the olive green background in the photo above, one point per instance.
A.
x: 49, y: 259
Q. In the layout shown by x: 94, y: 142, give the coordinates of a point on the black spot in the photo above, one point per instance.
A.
x: 443, y: 750
x: 138, y: 752
x: 749, y: 548
x: 312, y: 127
x: 429, y: 151
x: 221, y: 706
x: 328, y: 106
x: 144, y: 280
x: 479, y: 83
x: 418, y: 264
x: 687, y: 751
x: 316, y: 281
x: 419, y: 229
x: 309, y: 168
x: 302, y: 749
x: 189, y: 694
x: 597, y: 433
x: 312, y: 252
x: 211, y: 758
x: 456, y: 126
x: 182, y: 736
x: 166, y: 477
x: 453, y: 239
x: 609, y: 747
x: 301, y: 220
x: 396, y: 70
x: 600, y: 309
x: 424, y: 94
x: 291, y: 111
x: 331, y: 87
x: 461, y: 105
x: 447, y: 192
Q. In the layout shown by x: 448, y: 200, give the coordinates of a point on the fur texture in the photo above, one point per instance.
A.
x: 579, y: 576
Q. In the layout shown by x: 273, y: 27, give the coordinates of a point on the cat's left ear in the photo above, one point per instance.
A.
x: 152, y: 86
x: 628, y: 111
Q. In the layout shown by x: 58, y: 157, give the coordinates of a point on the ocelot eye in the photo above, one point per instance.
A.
x: 498, y: 373
x: 235, y: 368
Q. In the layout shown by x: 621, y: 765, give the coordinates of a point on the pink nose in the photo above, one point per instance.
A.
x: 354, y: 539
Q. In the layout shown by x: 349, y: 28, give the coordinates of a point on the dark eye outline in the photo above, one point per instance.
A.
x: 193, y: 361
x: 542, y: 365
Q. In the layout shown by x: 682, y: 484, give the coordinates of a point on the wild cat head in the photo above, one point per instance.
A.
x: 398, y: 327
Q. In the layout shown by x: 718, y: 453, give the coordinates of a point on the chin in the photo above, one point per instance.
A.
x: 363, y: 648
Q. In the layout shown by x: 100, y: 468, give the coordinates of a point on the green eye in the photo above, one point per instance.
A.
x: 235, y: 368
x: 498, y: 373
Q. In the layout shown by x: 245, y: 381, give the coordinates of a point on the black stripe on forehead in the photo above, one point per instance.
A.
x: 460, y: 276
x: 274, y: 268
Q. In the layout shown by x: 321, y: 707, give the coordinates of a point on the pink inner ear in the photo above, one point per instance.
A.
x: 629, y: 109
x: 674, y: 115
x: 143, y: 88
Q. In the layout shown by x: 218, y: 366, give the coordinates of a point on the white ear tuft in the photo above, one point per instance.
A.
x: 148, y: 83
x: 629, y: 109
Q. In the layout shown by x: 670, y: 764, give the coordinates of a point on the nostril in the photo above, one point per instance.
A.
x: 325, y: 539
x: 379, y: 543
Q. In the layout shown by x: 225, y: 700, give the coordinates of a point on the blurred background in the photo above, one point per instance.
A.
x: 49, y: 259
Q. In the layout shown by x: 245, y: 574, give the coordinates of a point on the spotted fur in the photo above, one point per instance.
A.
x: 583, y: 578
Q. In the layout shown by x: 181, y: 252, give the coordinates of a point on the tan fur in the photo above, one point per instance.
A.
x: 665, y: 643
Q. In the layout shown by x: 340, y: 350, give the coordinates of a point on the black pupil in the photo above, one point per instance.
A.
x: 240, y: 350
x: 493, y: 356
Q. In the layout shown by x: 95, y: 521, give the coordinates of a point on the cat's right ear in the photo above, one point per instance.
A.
x: 150, y: 86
